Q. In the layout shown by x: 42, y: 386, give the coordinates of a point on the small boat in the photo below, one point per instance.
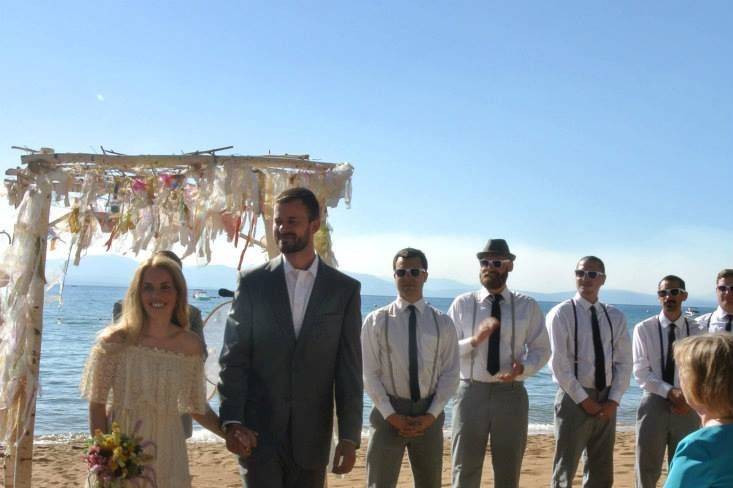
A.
x: 201, y: 295
x: 691, y: 312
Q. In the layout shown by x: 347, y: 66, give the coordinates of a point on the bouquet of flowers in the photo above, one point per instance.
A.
x: 116, y: 457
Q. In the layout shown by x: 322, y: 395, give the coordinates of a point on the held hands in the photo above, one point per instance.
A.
x: 485, y: 329
x: 410, y: 426
x: 344, y: 457
x: 240, y: 440
x: 678, y: 405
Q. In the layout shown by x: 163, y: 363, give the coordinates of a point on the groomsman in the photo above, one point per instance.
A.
x: 502, y: 340
x: 591, y: 363
x: 663, y: 417
x: 721, y: 320
x: 410, y: 355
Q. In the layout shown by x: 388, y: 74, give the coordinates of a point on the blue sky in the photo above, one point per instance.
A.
x: 567, y: 128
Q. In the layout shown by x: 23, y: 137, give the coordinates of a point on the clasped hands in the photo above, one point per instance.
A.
x: 677, y: 401
x: 410, y: 426
x: 241, y: 441
x: 602, y: 410
x: 485, y: 329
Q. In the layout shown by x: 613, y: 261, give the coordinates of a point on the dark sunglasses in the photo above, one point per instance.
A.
x: 581, y: 273
x: 493, y: 263
x: 724, y: 288
x: 671, y: 291
x: 414, y: 272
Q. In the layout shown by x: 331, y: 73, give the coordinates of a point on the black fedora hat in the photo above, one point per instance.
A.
x: 496, y: 246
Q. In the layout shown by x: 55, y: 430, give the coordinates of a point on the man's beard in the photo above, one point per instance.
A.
x: 298, y: 243
x: 494, y: 281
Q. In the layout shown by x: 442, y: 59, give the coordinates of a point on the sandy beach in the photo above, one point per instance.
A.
x: 212, y: 466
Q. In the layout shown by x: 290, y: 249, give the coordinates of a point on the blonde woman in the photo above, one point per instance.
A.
x: 147, y: 369
x: 705, y: 457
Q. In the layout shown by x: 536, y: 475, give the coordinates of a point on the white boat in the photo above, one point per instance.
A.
x: 691, y: 312
x: 201, y: 295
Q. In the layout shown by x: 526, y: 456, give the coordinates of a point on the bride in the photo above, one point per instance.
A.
x: 146, y: 369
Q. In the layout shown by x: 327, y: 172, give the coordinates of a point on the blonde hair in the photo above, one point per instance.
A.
x: 130, y: 323
x: 705, y: 365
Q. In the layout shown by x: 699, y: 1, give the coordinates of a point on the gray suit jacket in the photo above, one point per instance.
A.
x: 282, y: 387
x: 197, y: 326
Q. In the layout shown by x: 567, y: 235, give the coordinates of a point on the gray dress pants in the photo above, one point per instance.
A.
x: 386, y: 448
x: 493, y: 412
x: 657, y: 430
x: 576, y: 434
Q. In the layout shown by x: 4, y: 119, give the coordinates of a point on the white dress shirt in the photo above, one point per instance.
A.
x: 300, y: 285
x: 437, y: 365
x: 649, y: 353
x: 531, y: 343
x: 718, y: 320
x: 561, y: 323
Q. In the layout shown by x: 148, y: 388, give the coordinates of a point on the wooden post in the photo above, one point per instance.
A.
x: 19, y: 455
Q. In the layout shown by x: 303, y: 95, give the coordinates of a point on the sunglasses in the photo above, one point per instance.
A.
x: 493, y: 263
x: 581, y: 273
x: 724, y: 288
x: 414, y: 272
x: 671, y: 291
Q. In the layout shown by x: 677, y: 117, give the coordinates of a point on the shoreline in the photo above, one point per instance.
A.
x: 60, y: 465
x: 202, y: 436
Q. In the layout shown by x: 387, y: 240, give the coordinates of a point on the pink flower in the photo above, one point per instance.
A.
x: 138, y: 185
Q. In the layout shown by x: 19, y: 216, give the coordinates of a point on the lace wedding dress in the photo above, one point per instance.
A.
x: 149, y: 388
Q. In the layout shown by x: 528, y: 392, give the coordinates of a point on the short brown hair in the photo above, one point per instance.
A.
x: 305, y: 196
x: 725, y: 273
x: 408, y: 253
x: 592, y: 259
x: 705, y: 365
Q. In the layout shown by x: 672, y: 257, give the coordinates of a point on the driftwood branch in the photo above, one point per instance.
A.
x: 208, y: 151
x: 27, y: 149
x: 123, y: 162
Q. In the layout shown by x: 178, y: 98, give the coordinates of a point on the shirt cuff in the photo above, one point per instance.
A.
x: 465, y: 347
x: 228, y: 422
x: 435, y: 410
x: 615, y: 396
x: 350, y: 441
x: 578, y: 394
x: 385, y: 408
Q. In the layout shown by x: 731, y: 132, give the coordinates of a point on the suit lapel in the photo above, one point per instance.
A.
x: 317, y: 298
x: 279, y: 299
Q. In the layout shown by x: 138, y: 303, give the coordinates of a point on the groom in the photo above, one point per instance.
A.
x: 292, y: 346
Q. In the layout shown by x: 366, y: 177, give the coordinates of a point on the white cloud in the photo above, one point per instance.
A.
x: 100, y: 97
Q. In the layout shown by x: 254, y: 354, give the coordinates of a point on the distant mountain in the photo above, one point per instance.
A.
x: 112, y: 270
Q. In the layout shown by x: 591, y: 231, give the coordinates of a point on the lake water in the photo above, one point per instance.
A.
x: 70, y: 330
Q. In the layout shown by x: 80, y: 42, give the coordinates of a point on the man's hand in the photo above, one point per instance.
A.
x: 405, y: 426
x: 608, y: 408
x: 421, y: 423
x: 485, y: 329
x: 344, y: 457
x: 517, y: 370
x: 590, y: 406
x: 678, y: 405
x: 240, y: 440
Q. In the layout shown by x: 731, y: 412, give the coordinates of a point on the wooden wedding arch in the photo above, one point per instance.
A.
x: 128, y: 203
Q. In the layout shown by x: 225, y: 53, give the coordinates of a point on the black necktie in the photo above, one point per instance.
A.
x: 668, y: 373
x: 414, y: 382
x: 600, y: 365
x: 728, y: 325
x: 492, y: 364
